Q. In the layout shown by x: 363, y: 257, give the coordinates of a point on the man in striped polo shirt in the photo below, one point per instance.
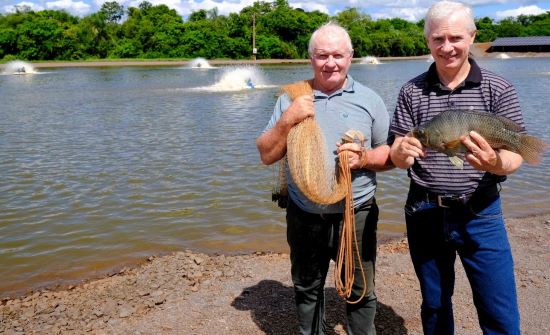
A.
x: 452, y: 211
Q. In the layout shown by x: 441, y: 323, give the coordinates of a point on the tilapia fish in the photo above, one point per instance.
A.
x: 443, y: 132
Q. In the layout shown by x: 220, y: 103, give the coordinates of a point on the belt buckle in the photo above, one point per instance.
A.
x: 441, y: 199
x: 440, y: 202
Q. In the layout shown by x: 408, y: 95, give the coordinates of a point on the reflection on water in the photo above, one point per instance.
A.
x: 103, y: 167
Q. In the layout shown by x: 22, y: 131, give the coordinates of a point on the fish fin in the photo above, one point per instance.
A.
x: 453, y: 144
x: 531, y: 148
x: 459, y: 163
x: 508, y: 124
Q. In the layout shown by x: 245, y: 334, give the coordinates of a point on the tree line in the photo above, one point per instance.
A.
x: 157, y: 31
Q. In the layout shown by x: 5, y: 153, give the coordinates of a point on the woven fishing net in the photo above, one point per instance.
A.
x: 306, y: 157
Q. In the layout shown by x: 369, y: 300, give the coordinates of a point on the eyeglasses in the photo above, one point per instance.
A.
x: 325, y: 56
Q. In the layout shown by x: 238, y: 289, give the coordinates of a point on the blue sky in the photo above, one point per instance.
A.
x: 411, y: 10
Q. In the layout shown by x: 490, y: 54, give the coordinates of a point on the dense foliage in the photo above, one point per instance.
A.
x: 149, y: 31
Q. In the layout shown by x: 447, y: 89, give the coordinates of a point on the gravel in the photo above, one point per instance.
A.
x: 194, y: 293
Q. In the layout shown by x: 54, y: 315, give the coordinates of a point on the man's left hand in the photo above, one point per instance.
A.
x: 357, y: 155
x: 481, y: 156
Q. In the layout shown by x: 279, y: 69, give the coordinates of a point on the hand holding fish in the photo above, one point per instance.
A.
x: 480, y: 154
x: 483, y: 157
x: 407, y: 149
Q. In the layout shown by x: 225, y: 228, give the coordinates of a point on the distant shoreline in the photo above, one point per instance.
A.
x: 216, y: 62
x: 478, y: 50
x: 120, y: 63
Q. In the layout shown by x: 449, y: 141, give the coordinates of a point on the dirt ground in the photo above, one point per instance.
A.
x: 193, y: 293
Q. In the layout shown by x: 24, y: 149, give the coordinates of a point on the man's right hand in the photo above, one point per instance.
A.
x: 272, y: 144
x: 300, y: 109
x: 404, y: 150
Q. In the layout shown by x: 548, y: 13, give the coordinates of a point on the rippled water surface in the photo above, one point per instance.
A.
x: 101, y: 167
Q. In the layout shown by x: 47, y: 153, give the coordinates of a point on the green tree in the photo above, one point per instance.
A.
x: 198, y: 15
x: 157, y: 29
x: 112, y: 11
x: 273, y: 47
x: 539, y: 25
x: 485, y: 30
x: 8, y: 42
x: 93, y: 35
x: 509, y: 28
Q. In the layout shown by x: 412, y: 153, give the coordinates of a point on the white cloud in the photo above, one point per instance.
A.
x: 528, y: 10
x: 185, y: 7
x: 33, y: 6
x: 411, y: 10
x: 78, y: 7
x: 224, y: 7
x: 100, y: 3
x: 474, y: 3
x: 310, y: 6
x: 410, y: 14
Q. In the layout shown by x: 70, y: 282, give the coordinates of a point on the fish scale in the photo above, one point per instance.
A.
x: 443, y: 132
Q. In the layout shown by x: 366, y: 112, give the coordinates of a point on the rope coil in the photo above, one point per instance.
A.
x: 344, y: 272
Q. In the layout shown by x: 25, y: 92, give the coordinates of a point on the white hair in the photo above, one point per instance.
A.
x: 445, y: 9
x: 329, y: 27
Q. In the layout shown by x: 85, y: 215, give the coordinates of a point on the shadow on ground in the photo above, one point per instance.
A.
x: 272, y: 308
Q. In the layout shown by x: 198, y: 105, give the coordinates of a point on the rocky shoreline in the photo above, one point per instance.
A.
x: 195, y: 293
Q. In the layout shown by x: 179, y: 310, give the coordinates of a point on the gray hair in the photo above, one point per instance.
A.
x: 329, y: 27
x: 444, y: 9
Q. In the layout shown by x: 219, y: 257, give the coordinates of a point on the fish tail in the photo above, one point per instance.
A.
x: 531, y: 149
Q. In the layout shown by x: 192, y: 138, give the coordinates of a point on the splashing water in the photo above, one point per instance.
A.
x: 237, y: 79
x: 200, y: 63
x: 370, y: 60
x: 502, y: 55
x: 19, y: 67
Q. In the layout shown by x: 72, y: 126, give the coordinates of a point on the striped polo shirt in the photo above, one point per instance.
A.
x: 424, y: 97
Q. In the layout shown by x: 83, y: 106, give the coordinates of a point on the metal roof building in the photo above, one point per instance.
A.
x: 521, y: 44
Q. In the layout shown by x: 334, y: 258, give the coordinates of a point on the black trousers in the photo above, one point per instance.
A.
x: 314, y: 241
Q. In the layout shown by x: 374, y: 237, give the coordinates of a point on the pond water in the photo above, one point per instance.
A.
x: 101, y: 167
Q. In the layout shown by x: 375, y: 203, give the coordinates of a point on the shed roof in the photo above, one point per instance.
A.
x: 521, y: 41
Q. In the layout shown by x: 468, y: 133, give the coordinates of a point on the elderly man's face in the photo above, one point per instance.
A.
x: 449, y: 42
x: 331, y: 60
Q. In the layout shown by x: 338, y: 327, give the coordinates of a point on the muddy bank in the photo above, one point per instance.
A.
x: 194, y: 293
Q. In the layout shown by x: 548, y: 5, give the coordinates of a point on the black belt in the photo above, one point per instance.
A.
x: 368, y: 204
x: 481, y: 195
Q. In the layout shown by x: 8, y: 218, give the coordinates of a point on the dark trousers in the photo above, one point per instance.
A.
x: 313, y: 241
